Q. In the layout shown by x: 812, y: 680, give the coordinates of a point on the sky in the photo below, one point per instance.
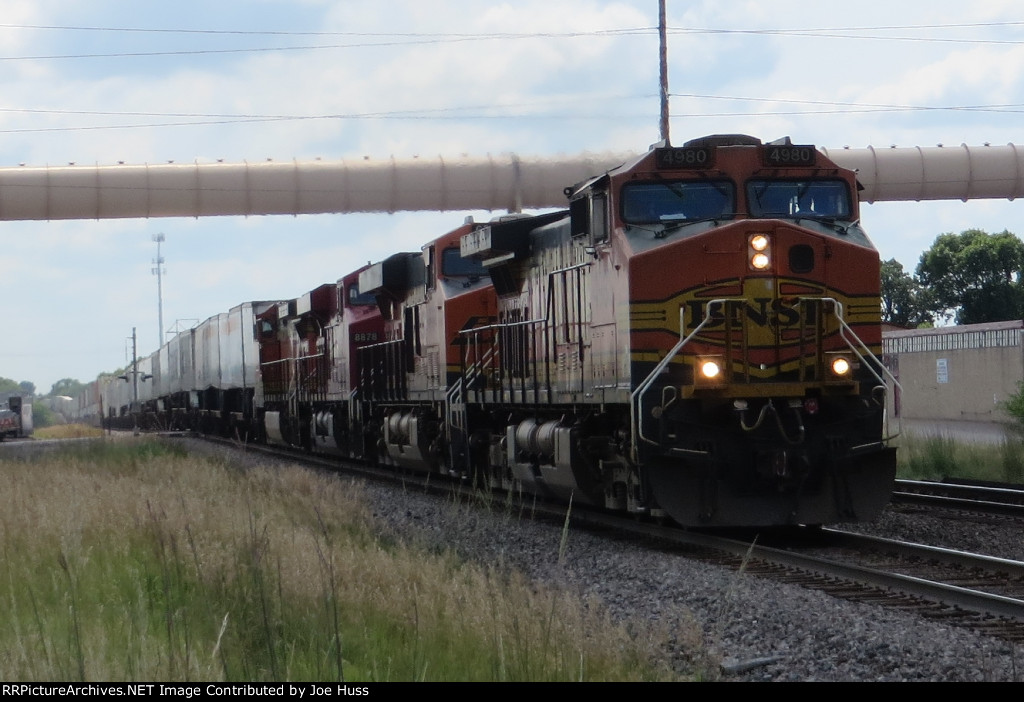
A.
x: 113, y: 81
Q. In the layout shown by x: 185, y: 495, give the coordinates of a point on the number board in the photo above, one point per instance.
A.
x: 685, y: 157
x: 789, y: 155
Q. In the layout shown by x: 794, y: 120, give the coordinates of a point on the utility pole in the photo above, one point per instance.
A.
x: 134, y: 373
x: 663, y: 55
x: 180, y: 326
x: 135, y: 384
x: 158, y: 271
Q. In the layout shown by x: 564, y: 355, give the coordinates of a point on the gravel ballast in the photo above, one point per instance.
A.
x: 727, y: 625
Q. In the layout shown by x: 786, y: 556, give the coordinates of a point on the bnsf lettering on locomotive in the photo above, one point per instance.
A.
x: 762, y: 312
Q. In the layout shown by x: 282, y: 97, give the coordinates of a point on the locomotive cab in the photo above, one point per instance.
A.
x: 413, y: 378
x: 755, y: 321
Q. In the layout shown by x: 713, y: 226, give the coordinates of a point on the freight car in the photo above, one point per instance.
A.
x: 695, y: 336
x: 16, y: 418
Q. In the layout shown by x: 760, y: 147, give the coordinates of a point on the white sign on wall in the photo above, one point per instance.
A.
x: 942, y: 370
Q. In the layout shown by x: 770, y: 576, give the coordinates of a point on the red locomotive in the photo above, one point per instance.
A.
x: 695, y: 336
x: 307, y: 350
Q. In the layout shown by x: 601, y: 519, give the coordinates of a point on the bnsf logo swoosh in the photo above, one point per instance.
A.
x: 771, y: 312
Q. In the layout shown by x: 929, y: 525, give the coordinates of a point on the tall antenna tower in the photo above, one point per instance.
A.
x: 158, y: 271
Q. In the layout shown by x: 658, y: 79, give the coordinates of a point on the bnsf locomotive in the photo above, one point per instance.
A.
x: 695, y: 336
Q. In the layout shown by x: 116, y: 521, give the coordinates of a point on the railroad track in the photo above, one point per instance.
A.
x: 1000, y: 501
x: 963, y: 589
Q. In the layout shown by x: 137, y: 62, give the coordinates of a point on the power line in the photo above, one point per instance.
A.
x: 442, y: 35
x: 839, y: 34
x: 421, y: 38
x: 854, y: 107
x: 571, y: 99
x: 469, y: 112
x: 487, y: 112
x: 260, y: 32
x: 407, y: 39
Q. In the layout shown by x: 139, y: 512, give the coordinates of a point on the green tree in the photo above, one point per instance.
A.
x: 43, y: 416
x: 9, y: 386
x: 1014, y: 405
x: 68, y: 387
x: 905, y: 303
x: 976, y: 275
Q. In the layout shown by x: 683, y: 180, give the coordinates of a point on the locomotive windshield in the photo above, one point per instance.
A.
x: 453, y: 264
x: 677, y: 201
x: 357, y: 298
x: 803, y: 198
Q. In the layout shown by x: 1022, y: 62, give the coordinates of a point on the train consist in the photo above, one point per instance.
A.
x: 695, y: 336
x: 16, y: 418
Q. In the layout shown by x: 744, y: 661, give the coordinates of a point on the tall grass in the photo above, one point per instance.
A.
x: 128, y: 560
x: 67, y: 431
x: 938, y: 457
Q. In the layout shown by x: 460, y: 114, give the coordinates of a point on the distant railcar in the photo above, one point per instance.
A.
x: 16, y: 418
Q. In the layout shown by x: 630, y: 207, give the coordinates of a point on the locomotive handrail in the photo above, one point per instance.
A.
x: 844, y: 327
x: 450, y: 398
x: 292, y: 358
x: 637, y: 396
x: 389, y: 342
x: 369, y: 372
x: 502, y: 325
x: 477, y: 369
x: 470, y: 373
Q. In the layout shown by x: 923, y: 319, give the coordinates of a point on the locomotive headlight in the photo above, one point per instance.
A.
x: 710, y: 370
x: 840, y: 366
x: 759, y: 251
